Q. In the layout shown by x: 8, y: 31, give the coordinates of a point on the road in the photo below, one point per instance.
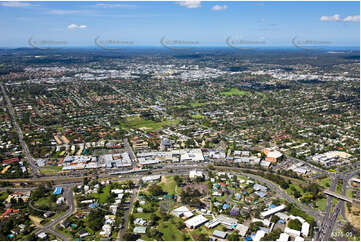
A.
x: 126, y: 214
x: 131, y: 153
x: 49, y: 227
x: 34, y: 168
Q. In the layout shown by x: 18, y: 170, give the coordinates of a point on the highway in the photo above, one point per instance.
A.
x: 329, y: 220
x: 34, y: 168
x: 325, y: 220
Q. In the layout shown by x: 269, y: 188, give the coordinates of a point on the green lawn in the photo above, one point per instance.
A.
x: 297, y: 187
x: 325, y: 182
x: 102, y: 197
x: 349, y: 193
x: 197, y: 116
x: 322, y: 203
x: 137, y: 122
x: 170, y: 186
x: 45, y: 202
x: 234, y: 92
x: 170, y: 231
x: 339, y: 188
x: 196, y: 104
x: 3, y: 196
x: 49, y: 170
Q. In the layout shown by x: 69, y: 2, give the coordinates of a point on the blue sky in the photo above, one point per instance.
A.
x: 197, y: 23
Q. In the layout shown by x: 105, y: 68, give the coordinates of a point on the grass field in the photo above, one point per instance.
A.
x: 170, y: 231
x: 325, y: 182
x: 297, y: 187
x: 102, y: 197
x: 3, y: 196
x: 322, y: 204
x: 169, y: 186
x: 196, y: 104
x: 49, y: 170
x: 349, y: 193
x: 197, y: 116
x: 339, y: 188
x: 137, y: 122
x: 45, y: 202
x: 235, y: 92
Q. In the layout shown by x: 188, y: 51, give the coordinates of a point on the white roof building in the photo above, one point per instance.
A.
x: 282, y: 216
x: 211, y: 224
x: 227, y: 221
x: 305, y: 229
x: 292, y: 232
x: 274, y: 154
x: 283, y: 237
x: 191, y: 155
x: 151, y: 178
x: 259, y: 235
x: 194, y: 174
x: 42, y: 235
x: 273, y: 211
x: 182, y: 212
x: 299, y: 239
x: 195, y: 221
x: 265, y: 222
x: 242, y: 229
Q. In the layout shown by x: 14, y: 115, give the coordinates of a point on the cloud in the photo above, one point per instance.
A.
x: 75, y: 26
x: 219, y: 7
x: 191, y: 4
x: 355, y: 18
x: 337, y: 18
x: 109, y: 5
x: 15, y: 4
x: 64, y: 12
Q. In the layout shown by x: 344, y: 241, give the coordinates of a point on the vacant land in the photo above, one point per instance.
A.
x: 197, y: 116
x: 49, y: 170
x: 325, y: 182
x: 137, y: 122
x: 103, y: 196
x: 170, y: 231
x: 45, y: 203
x: 322, y: 204
x: 196, y: 104
x: 235, y: 92
x: 169, y: 185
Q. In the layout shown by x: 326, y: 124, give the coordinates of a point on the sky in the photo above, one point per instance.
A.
x: 182, y: 23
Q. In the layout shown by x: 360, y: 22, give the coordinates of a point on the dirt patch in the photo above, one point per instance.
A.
x: 36, y: 220
x: 163, y: 179
x: 201, y: 187
x: 353, y: 219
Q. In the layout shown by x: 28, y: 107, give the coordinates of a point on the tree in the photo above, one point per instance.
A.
x: 275, y: 219
x: 233, y: 237
x: 155, y: 190
x: 295, y: 224
x: 272, y: 236
x: 130, y: 236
